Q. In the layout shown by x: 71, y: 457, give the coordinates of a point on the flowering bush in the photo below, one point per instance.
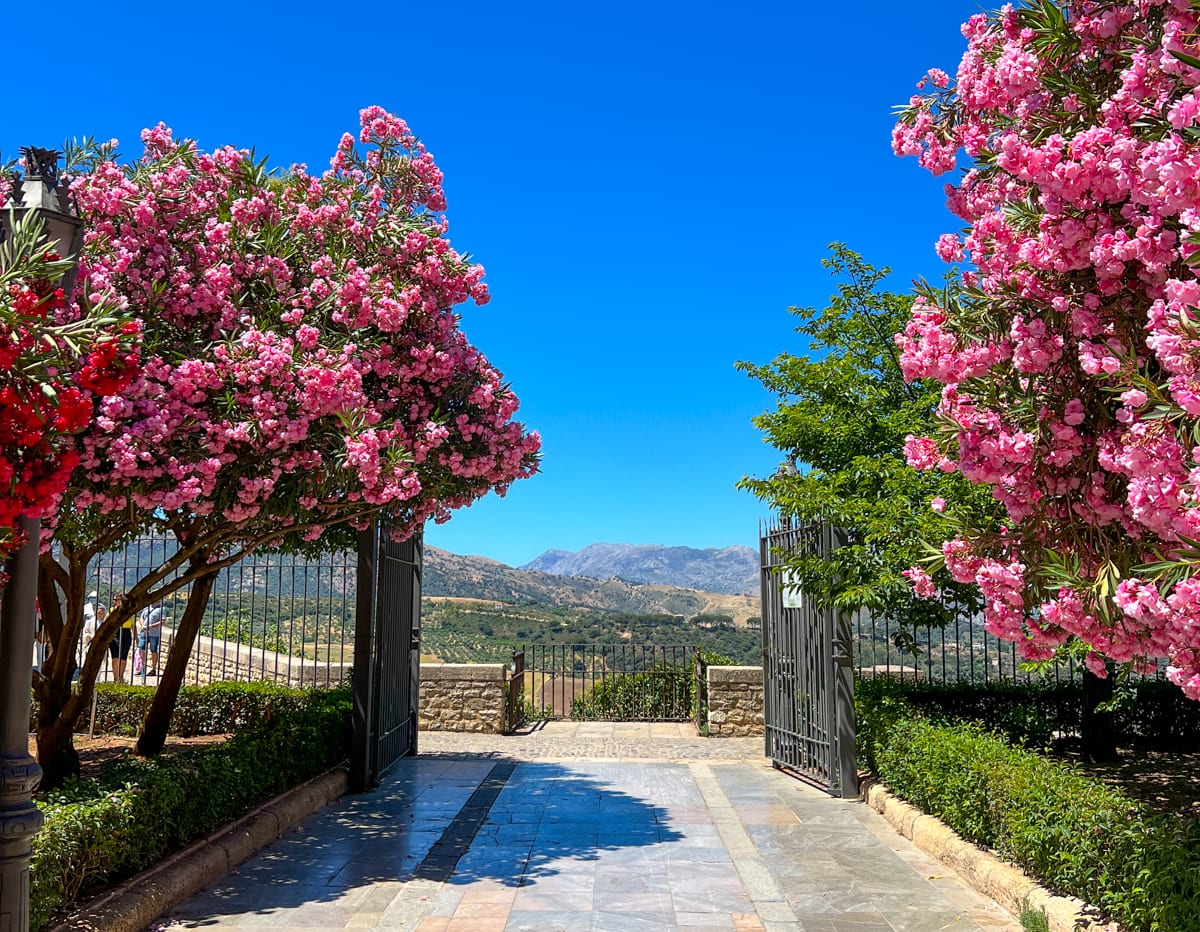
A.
x: 304, y: 364
x: 51, y: 367
x: 303, y: 367
x: 1070, y: 357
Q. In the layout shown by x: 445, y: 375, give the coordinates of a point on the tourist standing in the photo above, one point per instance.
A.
x: 151, y: 637
x: 122, y: 642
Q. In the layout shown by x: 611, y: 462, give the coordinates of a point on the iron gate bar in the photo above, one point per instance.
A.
x: 397, y: 659
x: 808, y: 668
x: 654, y: 679
x: 386, y: 653
x: 363, y: 745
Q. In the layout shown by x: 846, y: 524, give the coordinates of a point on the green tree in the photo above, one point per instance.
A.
x: 842, y: 416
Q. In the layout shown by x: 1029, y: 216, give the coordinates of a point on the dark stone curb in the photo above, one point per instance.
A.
x: 1005, y: 883
x: 140, y: 900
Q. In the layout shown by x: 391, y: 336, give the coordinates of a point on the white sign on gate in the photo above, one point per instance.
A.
x: 793, y: 595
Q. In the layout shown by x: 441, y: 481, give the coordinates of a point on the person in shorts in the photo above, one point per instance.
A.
x: 121, y: 644
x: 151, y: 637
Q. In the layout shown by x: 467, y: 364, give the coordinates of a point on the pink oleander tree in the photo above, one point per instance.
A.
x: 52, y: 365
x: 303, y: 372
x: 1071, y: 354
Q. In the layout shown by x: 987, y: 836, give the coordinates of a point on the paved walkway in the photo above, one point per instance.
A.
x: 592, y: 827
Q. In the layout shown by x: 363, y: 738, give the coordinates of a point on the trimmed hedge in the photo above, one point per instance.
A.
x: 216, y: 709
x: 100, y: 831
x: 1073, y: 832
x: 1147, y: 715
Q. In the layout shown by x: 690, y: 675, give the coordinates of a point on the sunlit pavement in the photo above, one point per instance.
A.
x: 592, y: 826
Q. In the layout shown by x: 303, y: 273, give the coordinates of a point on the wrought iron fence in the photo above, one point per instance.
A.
x: 959, y: 652
x: 274, y: 617
x: 608, y: 682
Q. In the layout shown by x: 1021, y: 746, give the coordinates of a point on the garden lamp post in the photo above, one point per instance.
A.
x: 39, y: 190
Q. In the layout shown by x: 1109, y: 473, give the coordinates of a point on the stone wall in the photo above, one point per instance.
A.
x: 735, y: 701
x: 463, y: 697
x: 214, y: 661
x: 458, y: 696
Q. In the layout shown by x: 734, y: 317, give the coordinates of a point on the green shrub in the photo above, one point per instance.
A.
x: 99, y: 831
x: 216, y: 709
x: 1156, y: 715
x: 1074, y: 833
x: 663, y: 693
x: 1147, y: 714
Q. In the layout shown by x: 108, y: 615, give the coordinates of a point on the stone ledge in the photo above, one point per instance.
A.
x: 1005, y: 883
x: 482, y: 672
x: 749, y: 675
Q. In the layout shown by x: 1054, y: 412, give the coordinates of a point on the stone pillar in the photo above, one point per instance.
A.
x: 464, y: 697
x: 735, y: 701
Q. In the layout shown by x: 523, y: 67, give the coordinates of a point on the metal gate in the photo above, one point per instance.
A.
x: 808, y: 673
x: 387, y: 653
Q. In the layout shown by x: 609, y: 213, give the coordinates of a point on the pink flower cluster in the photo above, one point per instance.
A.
x: 1071, y: 357
x: 303, y: 365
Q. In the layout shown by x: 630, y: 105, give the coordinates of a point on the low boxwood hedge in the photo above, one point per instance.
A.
x: 1074, y: 833
x: 216, y: 709
x: 100, y: 831
x: 1147, y: 714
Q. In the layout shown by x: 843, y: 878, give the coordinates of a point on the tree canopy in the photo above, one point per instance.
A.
x: 1069, y: 355
x: 303, y: 371
x: 843, y: 414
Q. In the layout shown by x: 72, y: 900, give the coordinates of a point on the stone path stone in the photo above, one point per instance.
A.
x: 582, y: 826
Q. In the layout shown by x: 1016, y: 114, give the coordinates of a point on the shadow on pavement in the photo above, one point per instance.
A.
x: 450, y: 818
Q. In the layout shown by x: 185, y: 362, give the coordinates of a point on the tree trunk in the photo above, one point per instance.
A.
x: 158, y: 717
x: 56, y: 752
x: 1097, y: 729
x: 60, y: 698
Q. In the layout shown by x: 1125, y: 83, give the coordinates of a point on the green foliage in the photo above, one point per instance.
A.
x: 234, y: 626
x: 713, y: 621
x: 663, y: 694
x: 879, y: 705
x: 102, y: 830
x: 1034, y: 921
x: 462, y: 632
x: 1147, y: 715
x: 843, y: 412
x: 216, y: 709
x: 524, y: 710
x: 1073, y: 832
x: 305, y: 627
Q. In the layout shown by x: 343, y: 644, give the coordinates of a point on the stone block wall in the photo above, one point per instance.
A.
x: 214, y: 661
x: 735, y: 701
x: 463, y: 697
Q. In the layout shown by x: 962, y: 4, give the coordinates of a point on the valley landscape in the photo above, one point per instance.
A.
x: 477, y: 609
x: 474, y: 608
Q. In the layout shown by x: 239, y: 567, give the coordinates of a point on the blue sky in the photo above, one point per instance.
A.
x: 649, y: 187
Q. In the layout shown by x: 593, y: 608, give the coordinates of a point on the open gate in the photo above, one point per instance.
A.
x: 387, y: 653
x: 808, y: 674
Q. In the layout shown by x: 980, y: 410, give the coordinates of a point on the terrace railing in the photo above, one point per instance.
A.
x: 274, y: 617
x: 960, y: 652
x: 607, y: 682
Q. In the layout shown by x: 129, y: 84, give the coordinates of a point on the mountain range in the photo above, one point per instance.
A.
x: 731, y: 570
x: 678, y: 580
x: 450, y: 575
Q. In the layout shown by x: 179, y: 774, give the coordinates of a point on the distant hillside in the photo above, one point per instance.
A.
x: 732, y: 570
x: 451, y: 575
x: 445, y: 575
